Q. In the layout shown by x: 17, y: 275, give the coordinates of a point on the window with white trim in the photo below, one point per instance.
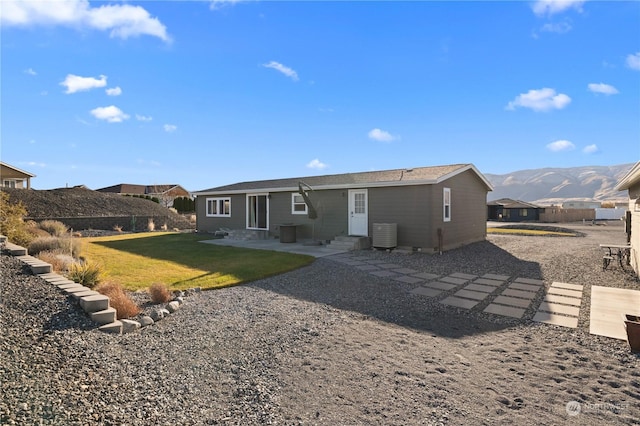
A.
x: 9, y: 183
x: 298, y: 206
x: 446, y: 204
x: 219, y: 207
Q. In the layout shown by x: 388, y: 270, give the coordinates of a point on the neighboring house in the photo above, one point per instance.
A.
x: 165, y: 193
x: 13, y: 177
x: 424, y: 203
x: 581, y: 205
x: 508, y: 210
x: 631, y: 183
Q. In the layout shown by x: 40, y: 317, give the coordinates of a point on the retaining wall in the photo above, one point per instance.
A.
x: 127, y: 223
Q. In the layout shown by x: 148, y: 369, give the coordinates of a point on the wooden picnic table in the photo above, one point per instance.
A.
x: 615, y: 251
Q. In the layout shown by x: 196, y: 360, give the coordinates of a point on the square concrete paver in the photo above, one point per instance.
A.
x: 512, y: 301
x: 367, y: 268
x: 388, y: 265
x: 383, y: 274
x: 440, y: 286
x: 608, y: 307
x: 354, y: 263
x: 519, y: 293
x: 525, y: 287
x: 408, y: 279
x: 552, y: 298
x: 426, y: 291
x: 459, y: 303
x: 556, y: 308
x: 529, y: 281
x: 426, y: 276
x: 496, y: 277
x: 568, y: 286
x: 468, y: 294
x: 375, y: 262
x: 564, y: 292
x: 482, y: 288
x: 555, y: 319
x: 463, y: 276
x: 407, y: 271
x: 486, y: 281
x: 453, y: 280
x: 505, y: 311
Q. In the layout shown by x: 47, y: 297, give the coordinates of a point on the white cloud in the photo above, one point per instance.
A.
x: 561, y: 145
x: 633, y: 61
x: 114, y: 91
x: 605, y: 89
x: 381, y: 135
x: 317, y: 164
x: 283, y: 69
x: 143, y: 117
x: 551, y: 7
x: 540, y: 100
x: 558, y: 27
x: 122, y: 20
x: 75, y: 83
x: 590, y: 149
x: 170, y: 128
x: 112, y: 114
x: 30, y: 71
x: 219, y: 4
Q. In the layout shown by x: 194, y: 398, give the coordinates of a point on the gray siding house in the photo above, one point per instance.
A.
x: 631, y: 183
x: 423, y: 202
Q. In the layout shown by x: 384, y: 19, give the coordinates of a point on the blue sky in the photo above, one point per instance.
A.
x: 205, y: 93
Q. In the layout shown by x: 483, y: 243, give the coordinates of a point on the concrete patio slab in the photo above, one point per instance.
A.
x: 519, y: 293
x: 459, y: 303
x: 453, y: 280
x: 556, y: 308
x: 487, y: 281
x: 426, y: 276
x: 529, y: 281
x: 512, y: 301
x: 564, y: 292
x: 383, y: 274
x: 481, y: 288
x: 300, y: 247
x: 525, y: 287
x: 555, y: 319
x: 407, y: 271
x: 407, y: 279
x: 426, y: 291
x: 389, y: 266
x: 468, y: 294
x: 440, y: 285
x: 463, y: 276
x: 568, y: 286
x: 367, y: 268
x: 496, y: 277
x: 608, y: 307
x: 505, y: 311
x: 552, y: 298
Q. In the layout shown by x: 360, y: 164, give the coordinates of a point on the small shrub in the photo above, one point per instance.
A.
x: 119, y: 300
x: 54, y: 227
x: 151, y: 226
x: 12, y: 223
x: 164, y: 227
x: 159, y: 293
x: 66, y: 245
x: 117, y: 228
x: 86, y: 273
x: 60, y: 262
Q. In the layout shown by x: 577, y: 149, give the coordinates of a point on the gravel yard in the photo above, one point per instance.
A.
x: 327, y: 344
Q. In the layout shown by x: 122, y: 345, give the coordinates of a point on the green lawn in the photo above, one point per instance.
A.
x: 178, y: 260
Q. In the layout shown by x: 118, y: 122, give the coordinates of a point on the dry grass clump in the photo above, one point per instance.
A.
x: 54, y: 227
x: 119, y: 300
x: 60, y: 262
x: 86, y: 273
x: 151, y: 226
x: 117, y: 228
x: 159, y: 293
x: 66, y: 245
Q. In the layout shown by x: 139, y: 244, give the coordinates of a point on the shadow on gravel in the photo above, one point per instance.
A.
x: 330, y: 282
x: 69, y: 317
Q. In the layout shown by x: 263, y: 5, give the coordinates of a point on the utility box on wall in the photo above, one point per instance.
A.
x: 385, y: 235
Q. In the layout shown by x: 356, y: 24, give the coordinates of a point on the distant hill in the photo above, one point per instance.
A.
x: 555, y: 185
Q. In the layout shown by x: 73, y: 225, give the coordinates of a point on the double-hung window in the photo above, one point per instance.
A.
x: 298, y: 206
x: 219, y: 207
x: 446, y: 204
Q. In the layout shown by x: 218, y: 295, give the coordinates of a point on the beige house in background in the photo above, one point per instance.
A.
x: 631, y: 183
x: 13, y: 177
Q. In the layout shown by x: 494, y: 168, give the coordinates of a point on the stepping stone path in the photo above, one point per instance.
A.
x: 561, y: 305
x: 514, y: 300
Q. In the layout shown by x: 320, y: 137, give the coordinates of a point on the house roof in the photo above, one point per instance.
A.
x: 128, y: 188
x: 631, y: 178
x: 512, y: 204
x: 396, y: 177
x: 15, y: 169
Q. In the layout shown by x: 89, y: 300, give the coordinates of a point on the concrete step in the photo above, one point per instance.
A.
x: 113, y: 327
x: 341, y: 245
x: 106, y: 316
x: 73, y: 288
x: 94, y: 303
x: 346, y: 242
x: 15, y: 249
x: 82, y: 293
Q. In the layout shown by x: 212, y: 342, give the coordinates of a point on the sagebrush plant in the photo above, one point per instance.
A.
x: 86, y: 272
x: 119, y: 299
x: 54, y: 227
x: 12, y: 224
x: 60, y: 262
x: 151, y: 226
x: 67, y: 245
x: 159, y: 293
x: 117, y: 228
x: 164, y: 227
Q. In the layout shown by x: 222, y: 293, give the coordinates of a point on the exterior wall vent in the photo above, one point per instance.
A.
x: 385, y: 235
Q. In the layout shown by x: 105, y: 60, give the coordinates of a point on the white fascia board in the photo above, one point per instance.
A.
x: 464, y: 169
x: 630, y: 178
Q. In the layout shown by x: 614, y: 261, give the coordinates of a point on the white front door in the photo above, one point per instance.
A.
x: 358, y: 206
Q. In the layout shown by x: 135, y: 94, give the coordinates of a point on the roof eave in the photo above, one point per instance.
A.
x: 631, y: 178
